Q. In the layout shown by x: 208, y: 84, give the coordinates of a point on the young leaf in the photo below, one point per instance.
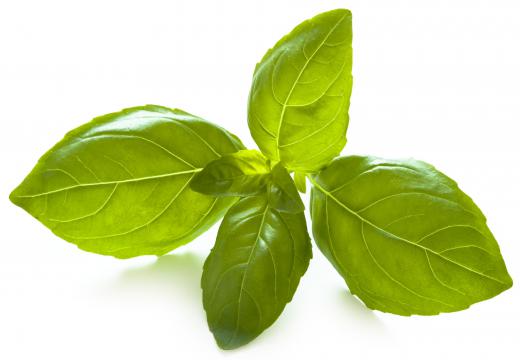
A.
x: 406, y: 239
x: 283, y: 195
x: 299, y: 100
x: 253, y: 270
x: 300, y: 180
x: 245, y: 172
x: 118, y: 185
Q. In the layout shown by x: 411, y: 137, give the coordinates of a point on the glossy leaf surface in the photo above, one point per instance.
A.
x: 406, y: 239
x: 283, y: 195
x: 300, y: 96
x: 245, y: 172
x: 253, y: 270
x: 301, y: 182
x: 118, y: 185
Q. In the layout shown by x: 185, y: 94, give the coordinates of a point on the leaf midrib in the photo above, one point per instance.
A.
x: 307, y: 62
x: 242, y: 283
x: 148, y: 222
x: 144, y: 178
x: 368, y: 222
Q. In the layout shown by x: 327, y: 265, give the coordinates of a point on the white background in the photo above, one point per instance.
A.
x: 435, y: 80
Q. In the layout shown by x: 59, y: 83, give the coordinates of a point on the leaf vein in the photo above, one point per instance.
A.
x: 391, y: 235
x: 79, y: 185
x: 302, y: 70
x: 391, y: 277
x: 95, y: 212
x: 154, y: 218
x: 439, y: 280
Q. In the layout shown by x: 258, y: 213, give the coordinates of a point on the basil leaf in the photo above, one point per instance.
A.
x: 253, y: 270
x: 283, y: 195
x: 118, y: 185
x: 301, y: 182
x: 300, y: 96
x: 245, y: 172
x: 406, y: 239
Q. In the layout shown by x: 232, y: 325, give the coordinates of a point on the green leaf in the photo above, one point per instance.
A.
x: 299, y: 100
x: 300, y: 180
x: 406, y: 239
x: 253, y: 270
x: 283, y: 195
x: 118, y: 185
x: 245, y: 172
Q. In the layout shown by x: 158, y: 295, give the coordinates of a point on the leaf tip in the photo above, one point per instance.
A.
x: 509, y: 282
x: 342, y: 11
x: 14, y: 196
x: 230, y: 341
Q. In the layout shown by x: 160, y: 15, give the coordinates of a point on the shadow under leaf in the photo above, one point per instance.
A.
x: 357, y: 311
x: 174, y: 274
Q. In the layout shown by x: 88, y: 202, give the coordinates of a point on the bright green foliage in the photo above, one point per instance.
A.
x: 283, y: 195
x: 148, y: 179
x: 299, y: 100
x: 118, y: 185
x: 406, y: 239
x: 253, y: 270
x: 243, y: 173
x: 301, y: 182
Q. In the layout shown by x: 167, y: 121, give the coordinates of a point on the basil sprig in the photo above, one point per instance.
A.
x: 145, y: 180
